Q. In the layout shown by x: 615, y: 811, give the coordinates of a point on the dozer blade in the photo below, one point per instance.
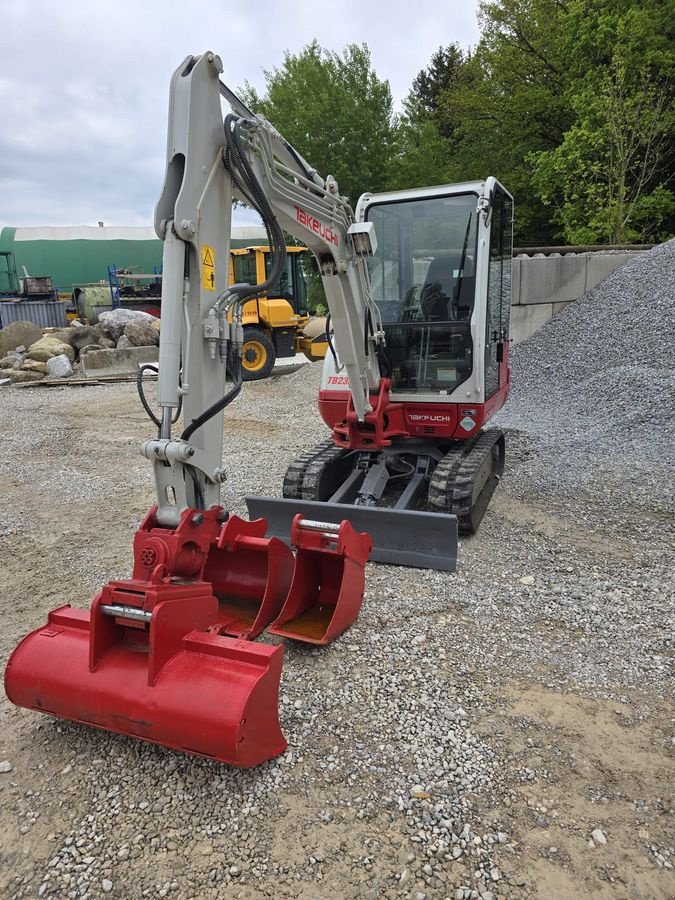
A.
x: 328, y: 583
x: 250, y: 576
x: 400, y: 537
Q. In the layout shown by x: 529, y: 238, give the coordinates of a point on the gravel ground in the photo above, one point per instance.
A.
x: 507, y: 731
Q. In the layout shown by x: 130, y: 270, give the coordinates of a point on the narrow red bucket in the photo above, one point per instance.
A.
x: 328, y: 584
x: 250, y: 576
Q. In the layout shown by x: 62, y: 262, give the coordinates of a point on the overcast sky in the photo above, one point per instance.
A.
x: 84, y: 86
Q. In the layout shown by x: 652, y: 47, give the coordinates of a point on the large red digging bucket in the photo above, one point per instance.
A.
x: 250, y: 576
x: 326, y: 593
x: 147, y: 661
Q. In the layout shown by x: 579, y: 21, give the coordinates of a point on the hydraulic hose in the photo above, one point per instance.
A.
x: 141, y: 393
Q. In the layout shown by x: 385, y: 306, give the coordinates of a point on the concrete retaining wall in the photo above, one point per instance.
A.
x: 543, y: 285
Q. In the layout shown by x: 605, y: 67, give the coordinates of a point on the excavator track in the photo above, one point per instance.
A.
x: 465, y: 479
x: 296, y: 472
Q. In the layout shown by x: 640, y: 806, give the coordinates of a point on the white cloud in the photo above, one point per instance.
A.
x: 85, y: 87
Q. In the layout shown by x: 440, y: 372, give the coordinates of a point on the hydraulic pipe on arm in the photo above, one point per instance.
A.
x: 312, y: 210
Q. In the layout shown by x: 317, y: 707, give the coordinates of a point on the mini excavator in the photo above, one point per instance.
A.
x: 418, y: 288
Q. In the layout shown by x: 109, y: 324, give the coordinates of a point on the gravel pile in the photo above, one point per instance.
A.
x: 597, y: 384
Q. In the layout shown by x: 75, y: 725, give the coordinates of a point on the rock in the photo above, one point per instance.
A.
x: 19, y: 376
x: 49, y: 346
x: 59, y: 367
x: 7, y: 362
x: 113, y: 322
x: 6, y: 766
x: 93, y: 347
x: 156, y: 324
x: 78, y: 337
x: 107, y: 885
x: 124, y: 343
x: 527, y: 579
x: 17, y: 334
x: 32, y: 365
x: 141, y: 333
x: 599, y: 838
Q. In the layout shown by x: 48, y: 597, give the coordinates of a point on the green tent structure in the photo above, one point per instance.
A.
x: 81, y: 254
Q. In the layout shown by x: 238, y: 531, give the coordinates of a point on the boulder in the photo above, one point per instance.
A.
x: 124, y: 343
x: 7, y: 362
x: 32, y: 365
x: 113, y: 321
x: 19, y: 376
x: 49, y: 346
x: 141, y: 333
x: 17, y: 333
x: 59, y: 367
x: 84, y: 336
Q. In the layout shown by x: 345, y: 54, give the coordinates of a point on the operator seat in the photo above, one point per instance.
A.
x: 437, y: 298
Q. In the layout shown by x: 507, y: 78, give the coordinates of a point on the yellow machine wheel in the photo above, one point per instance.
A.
x: 258, y: 355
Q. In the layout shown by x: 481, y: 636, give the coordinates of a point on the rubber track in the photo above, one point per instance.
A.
x: 295, y: 474
x: 452, y: 482
x: 313, y: 472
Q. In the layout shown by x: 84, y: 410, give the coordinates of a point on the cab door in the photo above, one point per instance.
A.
x: 498, y: 313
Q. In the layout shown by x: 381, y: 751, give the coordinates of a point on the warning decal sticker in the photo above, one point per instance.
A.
x: 208, y: 268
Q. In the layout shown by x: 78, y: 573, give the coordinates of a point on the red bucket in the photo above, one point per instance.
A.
x: 328, y: 584
x: 250, y: 576
x: 213, y: 695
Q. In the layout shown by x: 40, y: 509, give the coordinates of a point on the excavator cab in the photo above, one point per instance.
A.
x: 432, y: 296
x: 420, y: 467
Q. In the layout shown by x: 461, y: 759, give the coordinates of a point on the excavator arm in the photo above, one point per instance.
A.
x: 212, y: 161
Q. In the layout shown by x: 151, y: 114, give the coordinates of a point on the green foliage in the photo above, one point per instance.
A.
x: 607, y: 180
x: 336, y: 112
x: 509, y: 102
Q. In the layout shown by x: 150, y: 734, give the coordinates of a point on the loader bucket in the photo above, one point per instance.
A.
x: 401, y: 537
x: 250, y: 576
x: 216, y: 696
x: 328, y: 583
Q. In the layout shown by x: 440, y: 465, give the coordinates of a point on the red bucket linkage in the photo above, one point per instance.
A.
x: 250, y: 576
x: 145, y: 661
x: 326, y: 593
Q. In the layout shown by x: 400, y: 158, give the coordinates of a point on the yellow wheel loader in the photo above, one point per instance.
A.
x: 279, y: 324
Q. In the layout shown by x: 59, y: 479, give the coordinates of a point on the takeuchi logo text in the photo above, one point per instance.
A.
x: 317, y: 227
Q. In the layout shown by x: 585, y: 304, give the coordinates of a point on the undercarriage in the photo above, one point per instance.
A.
x: 456, y: 478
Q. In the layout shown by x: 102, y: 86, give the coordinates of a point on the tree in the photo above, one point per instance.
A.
x: 430, y: 84
x: 508, y: 101
x: 608, y: 179
x: 336, y: 112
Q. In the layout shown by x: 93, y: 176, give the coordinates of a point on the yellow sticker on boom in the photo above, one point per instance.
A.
x: 208, y: 268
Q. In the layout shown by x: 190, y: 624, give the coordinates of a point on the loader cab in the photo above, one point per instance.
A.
x: 431, y: 278
x: 252, y: 265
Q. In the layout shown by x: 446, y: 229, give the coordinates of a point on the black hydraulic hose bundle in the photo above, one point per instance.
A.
x: 248, y: 185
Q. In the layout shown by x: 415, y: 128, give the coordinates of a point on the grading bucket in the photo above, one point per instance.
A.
x: 250, y: 576
x: 147, y: 661
x: 326, y: 593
